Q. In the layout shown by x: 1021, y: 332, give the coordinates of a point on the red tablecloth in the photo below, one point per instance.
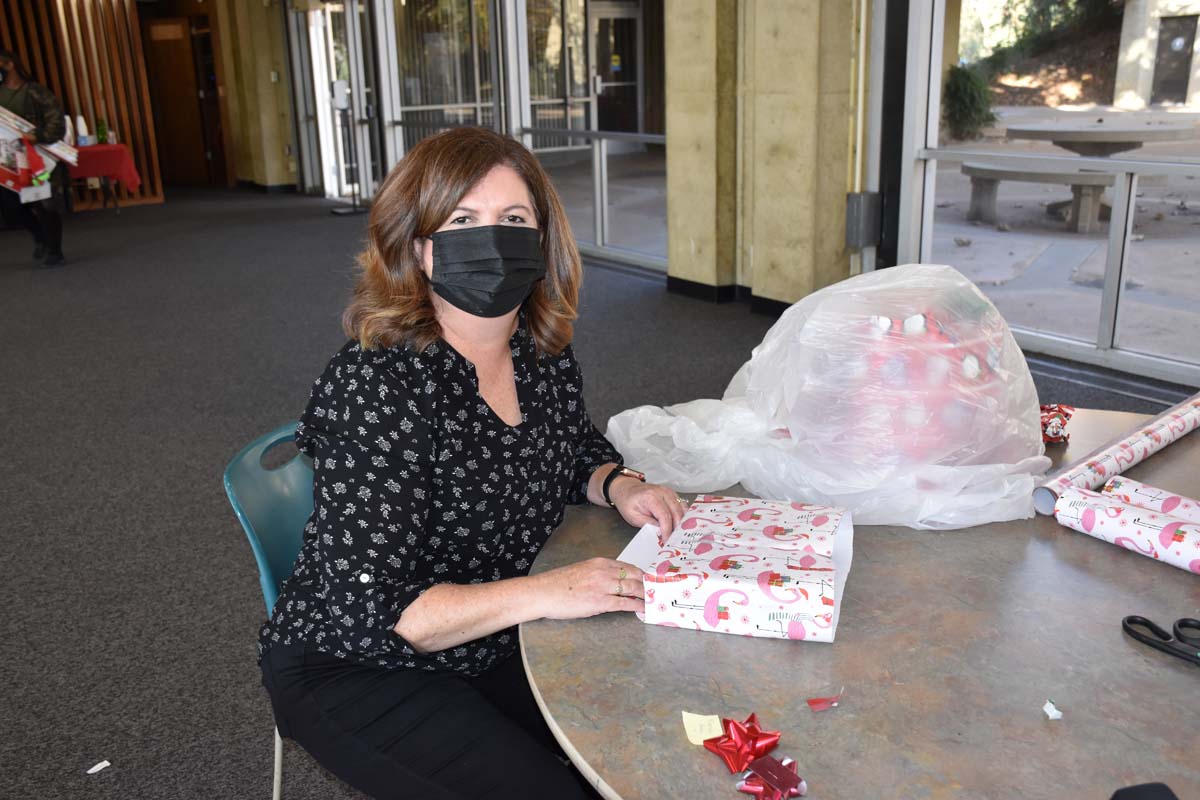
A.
x: 107, y: 161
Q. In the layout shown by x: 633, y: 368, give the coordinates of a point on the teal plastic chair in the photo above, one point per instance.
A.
x: 273, y: 506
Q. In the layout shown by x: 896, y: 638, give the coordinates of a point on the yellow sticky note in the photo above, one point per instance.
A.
x: 701, y: 726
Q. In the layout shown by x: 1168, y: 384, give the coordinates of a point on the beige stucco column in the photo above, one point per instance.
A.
x: 1135, y: 59
x: 950, y: 35
x: 796, y: 145
x: 758, y: 145
x: 700, y: 40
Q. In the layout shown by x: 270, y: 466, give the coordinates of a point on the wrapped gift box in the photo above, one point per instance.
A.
x: 749, y: 567
x: 25, y: 167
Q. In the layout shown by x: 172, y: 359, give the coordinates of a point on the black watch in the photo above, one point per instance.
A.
x: 620, y: 470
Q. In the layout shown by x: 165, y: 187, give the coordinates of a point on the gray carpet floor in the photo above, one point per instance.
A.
x: 176, y: 334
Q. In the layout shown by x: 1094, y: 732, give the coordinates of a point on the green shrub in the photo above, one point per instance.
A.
x: 966, y: 103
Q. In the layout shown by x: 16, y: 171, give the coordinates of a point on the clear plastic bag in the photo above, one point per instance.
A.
x: 899, y: 394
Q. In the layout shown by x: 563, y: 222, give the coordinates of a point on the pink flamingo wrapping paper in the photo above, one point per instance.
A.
x: 1155, y: 535
x: 1114, y: 458
x: 1135, y: 493
x: 750, y: 567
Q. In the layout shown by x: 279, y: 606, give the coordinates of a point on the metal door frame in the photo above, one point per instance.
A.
x: 360, y: 123
x: 307, y: 131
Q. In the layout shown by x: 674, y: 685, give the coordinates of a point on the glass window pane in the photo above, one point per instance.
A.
x: 544, y: 27
x: 436, y: 61
x: 577, y: 49
x: 637, y: 200
x: 1121, y: 102
x: 483, y: 43
x: 1034, y: 243
x: 1159, y: 310
x: 558, y: 62
x: 571, y: 173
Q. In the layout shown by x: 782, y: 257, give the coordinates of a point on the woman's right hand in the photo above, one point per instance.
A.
x: 588, y: 588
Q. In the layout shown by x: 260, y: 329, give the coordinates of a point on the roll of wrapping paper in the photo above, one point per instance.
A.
x: 1151, y: 498
x: 1158, y: 536
x: 1120, y: 454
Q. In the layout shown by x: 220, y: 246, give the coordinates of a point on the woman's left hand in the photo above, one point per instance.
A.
x: 641, y: 503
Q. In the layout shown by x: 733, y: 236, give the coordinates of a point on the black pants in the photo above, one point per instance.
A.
x: 396, y: 733
x: 39, y: 218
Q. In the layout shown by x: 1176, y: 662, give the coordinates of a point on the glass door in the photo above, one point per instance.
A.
x: 334, y: 43
x: 616, y: 41
x: 442, y: 68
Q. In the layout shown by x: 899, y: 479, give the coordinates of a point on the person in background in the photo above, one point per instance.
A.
x: 21, y: 95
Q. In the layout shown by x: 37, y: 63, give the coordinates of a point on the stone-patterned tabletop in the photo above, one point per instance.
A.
x: 948, y: 645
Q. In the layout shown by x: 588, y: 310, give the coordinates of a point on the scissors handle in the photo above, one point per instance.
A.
x: 1159, y: 639
x: 1187, y: 631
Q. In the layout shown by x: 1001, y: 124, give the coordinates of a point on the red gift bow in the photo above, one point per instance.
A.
x: 753, y: 784
x: 742, y: 743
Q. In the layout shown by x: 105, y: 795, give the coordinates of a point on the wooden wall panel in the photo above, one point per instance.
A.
x: 89, y: 53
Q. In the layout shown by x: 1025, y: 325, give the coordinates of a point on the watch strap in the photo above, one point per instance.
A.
x: 613, y: 474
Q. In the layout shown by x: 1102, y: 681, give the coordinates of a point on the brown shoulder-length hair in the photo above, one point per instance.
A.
x: 392, y: 302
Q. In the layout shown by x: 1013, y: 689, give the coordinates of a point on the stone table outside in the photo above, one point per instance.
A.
x: 1103, y: 138
x: 948, y: 645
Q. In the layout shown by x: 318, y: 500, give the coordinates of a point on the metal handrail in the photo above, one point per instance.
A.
x: 616, y: 136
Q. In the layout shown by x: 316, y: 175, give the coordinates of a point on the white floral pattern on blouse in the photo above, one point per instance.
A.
x: 418, y: 482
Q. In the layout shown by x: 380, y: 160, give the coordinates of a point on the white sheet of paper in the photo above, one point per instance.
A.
x: 642, y: 549
x: 701, y: 726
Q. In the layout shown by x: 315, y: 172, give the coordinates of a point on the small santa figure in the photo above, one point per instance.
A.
x: 1054, y: 423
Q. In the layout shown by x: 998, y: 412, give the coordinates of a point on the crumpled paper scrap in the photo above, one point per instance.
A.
x: 826, y: 703
x: 1052, y: 710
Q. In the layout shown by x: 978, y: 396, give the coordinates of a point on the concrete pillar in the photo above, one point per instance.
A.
x: 758, y: 146
x: 700, y: 40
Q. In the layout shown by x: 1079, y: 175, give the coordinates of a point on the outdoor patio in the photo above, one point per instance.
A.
x: 1043, y: 277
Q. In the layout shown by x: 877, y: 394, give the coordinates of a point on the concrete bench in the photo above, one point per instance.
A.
x: 1086, y: 191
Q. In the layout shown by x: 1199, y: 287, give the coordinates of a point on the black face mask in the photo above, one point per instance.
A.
x: 487, y: 271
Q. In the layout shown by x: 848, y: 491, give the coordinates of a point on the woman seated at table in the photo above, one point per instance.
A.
x: 447, y: 437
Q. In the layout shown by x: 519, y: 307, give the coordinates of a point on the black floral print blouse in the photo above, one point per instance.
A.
x: 418, y: 482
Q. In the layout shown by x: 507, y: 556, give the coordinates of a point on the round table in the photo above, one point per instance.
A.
x: 948, y: 645
x: 1103, y: 138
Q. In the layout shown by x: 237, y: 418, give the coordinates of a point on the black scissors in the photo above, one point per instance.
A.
x: 1181, y: 645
